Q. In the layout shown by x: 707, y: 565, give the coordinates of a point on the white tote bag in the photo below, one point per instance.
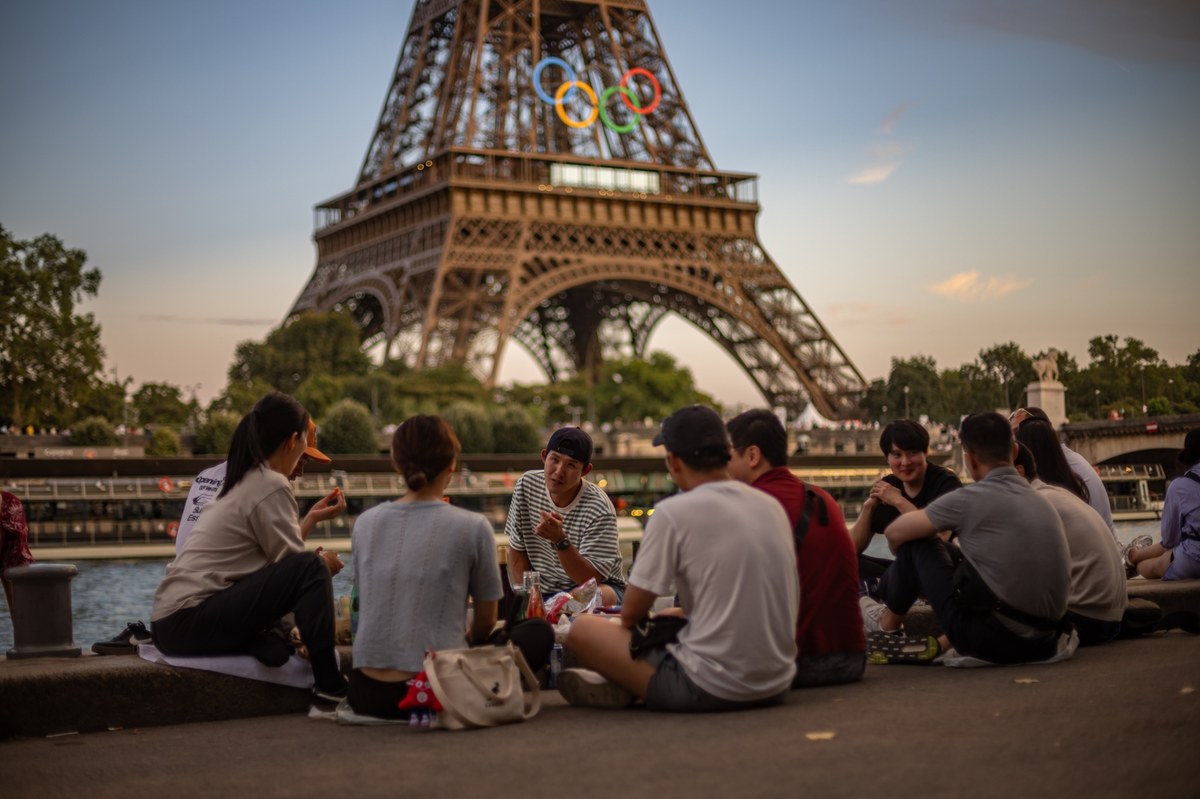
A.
x: 481, y: 687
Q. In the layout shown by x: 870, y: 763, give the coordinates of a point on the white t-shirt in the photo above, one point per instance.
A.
x: 728, y: 549
x: 1097, y: 575
x: 204, y: 490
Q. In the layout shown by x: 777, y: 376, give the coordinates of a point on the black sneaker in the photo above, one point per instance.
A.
x: 125, y: 642
x: 324, y: 704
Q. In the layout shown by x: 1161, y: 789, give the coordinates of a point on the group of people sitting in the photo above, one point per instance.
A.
x: 746, y: 585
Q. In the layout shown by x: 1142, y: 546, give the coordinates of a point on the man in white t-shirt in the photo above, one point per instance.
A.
x: 727, y: 549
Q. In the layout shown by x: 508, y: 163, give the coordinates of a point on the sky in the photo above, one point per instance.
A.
x: 936, y: 176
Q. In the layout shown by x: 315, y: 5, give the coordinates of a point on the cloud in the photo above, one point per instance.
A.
x: 209, y: 320
x: 970, y: 286
x: 858, y: 312
x: 893, y: 119
x: 873, y: 174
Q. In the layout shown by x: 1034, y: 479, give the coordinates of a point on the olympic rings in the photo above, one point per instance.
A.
x: 599, y: 105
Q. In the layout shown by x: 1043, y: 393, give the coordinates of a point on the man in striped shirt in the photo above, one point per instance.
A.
x: 562, y: 526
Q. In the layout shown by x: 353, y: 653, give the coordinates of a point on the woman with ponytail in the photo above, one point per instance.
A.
x: 245, y: 566
x: 417, y: 561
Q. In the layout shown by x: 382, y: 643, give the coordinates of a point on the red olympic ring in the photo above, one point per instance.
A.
x: 657, y: 91
x: 628, y: 96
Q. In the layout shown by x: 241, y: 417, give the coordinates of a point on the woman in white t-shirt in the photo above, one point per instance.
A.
x: 245, y: 565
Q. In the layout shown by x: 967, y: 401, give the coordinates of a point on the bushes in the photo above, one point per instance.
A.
x: 94, y: 431
x: 515, y: 431
x: 348, y: 429
x: 163, y: 442
x: 213, y: 436
x: 473, y: 425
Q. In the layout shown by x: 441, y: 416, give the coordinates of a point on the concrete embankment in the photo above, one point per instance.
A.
x: 1115, y: 721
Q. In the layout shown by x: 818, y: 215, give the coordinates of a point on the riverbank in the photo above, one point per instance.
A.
x: 1112, y: 722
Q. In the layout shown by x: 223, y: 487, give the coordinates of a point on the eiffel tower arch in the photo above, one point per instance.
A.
x: 536, y: 176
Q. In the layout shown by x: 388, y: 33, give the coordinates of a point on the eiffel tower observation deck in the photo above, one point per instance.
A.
x: 536, y: 176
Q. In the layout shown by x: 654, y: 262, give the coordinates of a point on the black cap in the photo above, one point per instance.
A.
x: 1191, y: 447
x: 693, y: 430
x: 572, y: 442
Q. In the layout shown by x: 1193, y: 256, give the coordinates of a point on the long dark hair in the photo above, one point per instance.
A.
x: 1052, y: 466
x: 274, y: 418
x: 422, y: 448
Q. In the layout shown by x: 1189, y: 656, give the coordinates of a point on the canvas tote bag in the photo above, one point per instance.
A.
x: 481, y: 687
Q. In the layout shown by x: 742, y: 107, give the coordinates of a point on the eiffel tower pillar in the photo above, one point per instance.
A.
x: 535, y: 176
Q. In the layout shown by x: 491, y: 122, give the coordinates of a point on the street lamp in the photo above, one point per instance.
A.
x: 1142, y: 368
x: 1097, y: 403
x: 906, y: 402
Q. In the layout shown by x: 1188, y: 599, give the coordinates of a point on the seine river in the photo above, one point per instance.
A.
x: 108, y: 594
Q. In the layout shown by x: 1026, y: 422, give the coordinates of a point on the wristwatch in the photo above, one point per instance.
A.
x: 563, y: 544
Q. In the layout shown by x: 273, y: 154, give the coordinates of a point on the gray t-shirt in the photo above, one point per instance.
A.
x: 1013, y: 538
x: 415, y: 564
x: 728, y: 550
x: 1097, y: 575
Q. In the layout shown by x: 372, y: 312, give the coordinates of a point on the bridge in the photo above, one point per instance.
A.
x: 1154, y: 439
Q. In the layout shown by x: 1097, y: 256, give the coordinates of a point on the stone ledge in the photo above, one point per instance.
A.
x: 47, y: 696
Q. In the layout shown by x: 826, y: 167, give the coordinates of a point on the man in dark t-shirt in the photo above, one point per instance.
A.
x: 913, y: 484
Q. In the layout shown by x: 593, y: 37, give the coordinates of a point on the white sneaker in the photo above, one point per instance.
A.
x: 586, y: 688
x: 872, y: 612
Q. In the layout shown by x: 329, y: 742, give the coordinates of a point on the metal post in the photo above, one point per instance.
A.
x: 41, y: 611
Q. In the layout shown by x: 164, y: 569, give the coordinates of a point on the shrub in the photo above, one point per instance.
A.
x: 163, y: 442
x: 213, y: 436
x: 515, y: 431
x: 348, y: 429
x: 94, y: 431
x: 473, y: 425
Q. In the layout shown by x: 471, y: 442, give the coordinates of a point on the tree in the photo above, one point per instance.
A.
x: 473, y: 425
x: 914, y: 388
x: 1012, y: 368
x: 52, y: 353
x: 306, y: 345
x: 319, y: 393
x: 348, y: 429
x: 212, y: 438
x: 160, y: 403
x: 515, y: 431
x: 633, y: 389
x: 94, y: 431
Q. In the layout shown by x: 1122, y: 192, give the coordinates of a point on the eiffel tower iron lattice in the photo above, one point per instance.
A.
x: 536, y: 176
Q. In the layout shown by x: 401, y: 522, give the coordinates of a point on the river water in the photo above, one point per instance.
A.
x: 108, y: 594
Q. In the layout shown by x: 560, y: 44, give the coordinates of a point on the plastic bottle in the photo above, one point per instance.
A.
x: 536, y: 609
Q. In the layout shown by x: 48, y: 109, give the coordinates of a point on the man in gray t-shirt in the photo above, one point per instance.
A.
x: 1005, y: 600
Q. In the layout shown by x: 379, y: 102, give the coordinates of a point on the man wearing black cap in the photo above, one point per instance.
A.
x: 562, y: 526
x: 727, y: 549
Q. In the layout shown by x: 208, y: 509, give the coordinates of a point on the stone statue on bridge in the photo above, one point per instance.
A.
x: 1047, y: 367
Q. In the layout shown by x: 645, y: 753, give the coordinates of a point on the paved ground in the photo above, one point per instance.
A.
x: 1113, y: 722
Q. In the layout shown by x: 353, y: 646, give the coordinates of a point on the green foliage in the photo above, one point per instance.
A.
x: 472, y: 424
x: 212, y: 437
x: 348, y: 429
x: 515, y: 430
x: 318, y: 394
x: 94, y: 431
x: 52, y: 353
x: 306, y: 345
x: 631, y: 389
x: 163, y: 443
x: 1158, y: 406
x: 102, y: 398
x: 160, y: 403
x: 1011, y: 368
x: 239, y: 398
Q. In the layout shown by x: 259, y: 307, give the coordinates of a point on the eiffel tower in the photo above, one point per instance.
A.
x: 536, y: 176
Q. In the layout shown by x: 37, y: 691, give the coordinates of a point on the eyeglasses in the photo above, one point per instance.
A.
x: 1012, y: 417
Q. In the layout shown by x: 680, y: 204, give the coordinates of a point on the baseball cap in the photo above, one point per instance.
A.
x: 693, y: 430
x: 310, y: 441
x: 572, y: 442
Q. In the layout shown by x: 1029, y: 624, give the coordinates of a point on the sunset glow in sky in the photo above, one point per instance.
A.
x: 936, y: 176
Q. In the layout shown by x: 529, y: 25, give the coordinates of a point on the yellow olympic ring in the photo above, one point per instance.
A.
x: 562, y: 111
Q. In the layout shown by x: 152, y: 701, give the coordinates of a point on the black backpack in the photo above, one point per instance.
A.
x: 812, y: 506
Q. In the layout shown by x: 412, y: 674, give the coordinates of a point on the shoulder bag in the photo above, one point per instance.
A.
x: 481, y: 686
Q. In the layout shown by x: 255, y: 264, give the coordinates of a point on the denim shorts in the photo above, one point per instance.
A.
x: 672, y: 690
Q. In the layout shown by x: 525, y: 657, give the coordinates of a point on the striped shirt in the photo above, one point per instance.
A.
x: 589, y: 522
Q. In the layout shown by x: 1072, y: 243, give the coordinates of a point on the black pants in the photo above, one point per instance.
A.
x: 230, y: 621
x: 370, y: 697
x: 926, y: 567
